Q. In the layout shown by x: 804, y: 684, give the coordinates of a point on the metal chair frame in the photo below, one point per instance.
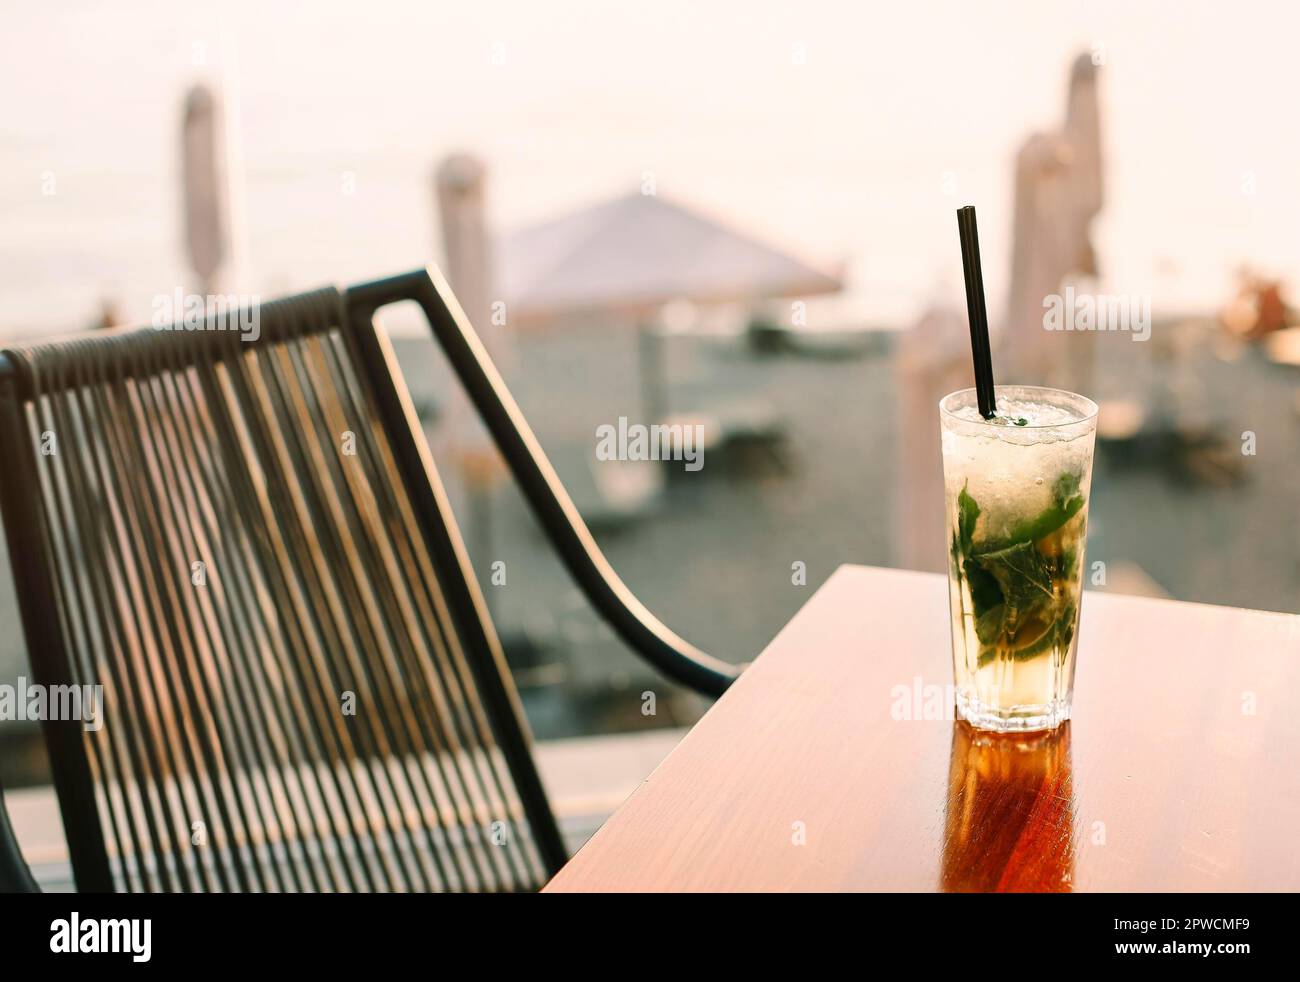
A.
x: 34, y: 570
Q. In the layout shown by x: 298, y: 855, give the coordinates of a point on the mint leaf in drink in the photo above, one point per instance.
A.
x: 988, y: 626
x: 1021, y: 573
x: 985, y: 593
x: 1034, y: 646
x: 1022, y: 604
x: 1048, y: 627
x: 1066, y: 503
x: 967, y: 513
x: 1065, y: 619
x: 1043, y: 524
x: 1066, y: 486
x: 1058, y: 636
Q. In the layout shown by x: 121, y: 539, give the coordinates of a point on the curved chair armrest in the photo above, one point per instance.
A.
x: 560, y: 520
x: 15, y: 874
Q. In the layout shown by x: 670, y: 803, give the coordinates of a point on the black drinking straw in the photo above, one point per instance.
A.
x: 975, y: 310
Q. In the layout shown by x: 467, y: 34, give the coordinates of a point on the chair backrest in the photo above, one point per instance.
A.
x: 244, y: 542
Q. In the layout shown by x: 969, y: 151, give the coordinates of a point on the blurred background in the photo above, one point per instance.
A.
x: 735, y: 214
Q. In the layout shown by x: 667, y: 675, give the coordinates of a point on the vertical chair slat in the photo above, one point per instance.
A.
x: 470, y: 635
x: 335, y: 566
x: 361, y: 581
x: 226, y: 737
x: 299, y: 744
x: 93, y: 524
x: 352, y: 478
x: 152, y: 590
x: 282, y: 521
x: 444, y: 661
x: 268, y: 777
x: 75, y: 620
x: 449, y: 756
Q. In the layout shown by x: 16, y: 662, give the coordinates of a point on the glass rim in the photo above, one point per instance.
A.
x: 1091, y: 409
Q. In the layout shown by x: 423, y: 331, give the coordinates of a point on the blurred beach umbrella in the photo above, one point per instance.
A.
x: 622, y: 261
x: 205, y: 193
x: 1058, y: 191
x: 634, y: 254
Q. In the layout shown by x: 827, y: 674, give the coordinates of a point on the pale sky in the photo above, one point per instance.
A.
x: 828, y: 128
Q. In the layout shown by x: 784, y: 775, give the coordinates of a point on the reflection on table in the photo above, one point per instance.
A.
x: 1010, y: 813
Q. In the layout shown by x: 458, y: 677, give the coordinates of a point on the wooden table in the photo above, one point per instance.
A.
x: 818, y: 770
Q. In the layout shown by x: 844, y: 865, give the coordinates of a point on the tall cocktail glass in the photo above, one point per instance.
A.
x: 1016, y: 490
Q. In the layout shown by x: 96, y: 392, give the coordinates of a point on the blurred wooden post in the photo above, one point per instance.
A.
x: 204, y: 192
x: 460, y: 187
x: 931, y: 359
x: 1058, y: 192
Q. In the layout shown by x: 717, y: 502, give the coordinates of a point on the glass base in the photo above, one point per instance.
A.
x: 1013, y: 719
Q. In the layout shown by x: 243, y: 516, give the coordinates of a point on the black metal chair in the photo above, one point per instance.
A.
x: 246, y: 543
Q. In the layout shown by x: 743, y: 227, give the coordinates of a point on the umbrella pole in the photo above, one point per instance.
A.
x: 653, y: 374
